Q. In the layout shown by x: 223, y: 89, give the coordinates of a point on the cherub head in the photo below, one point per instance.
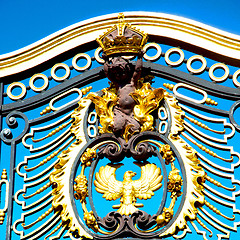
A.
x: 118, y: 70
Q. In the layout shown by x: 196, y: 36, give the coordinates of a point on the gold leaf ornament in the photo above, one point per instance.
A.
x: 147, y: 100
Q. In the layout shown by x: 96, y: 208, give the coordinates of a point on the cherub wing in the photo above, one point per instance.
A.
x: 149, y: 182
x: 107, y: 184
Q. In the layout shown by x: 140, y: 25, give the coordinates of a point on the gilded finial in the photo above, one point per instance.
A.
x: 4, y: 174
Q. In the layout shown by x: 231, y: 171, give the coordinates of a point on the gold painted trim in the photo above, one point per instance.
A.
x: 219, y: 66
x: 34, y: 78
x: 19, y: 96
x: 155, y: 24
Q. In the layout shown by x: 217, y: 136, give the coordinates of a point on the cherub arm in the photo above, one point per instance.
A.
x: 138, y: 68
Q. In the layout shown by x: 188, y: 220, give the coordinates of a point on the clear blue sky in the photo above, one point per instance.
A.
x: 25, y: 22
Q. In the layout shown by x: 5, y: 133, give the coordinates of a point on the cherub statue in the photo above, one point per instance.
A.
x: 124, y: 76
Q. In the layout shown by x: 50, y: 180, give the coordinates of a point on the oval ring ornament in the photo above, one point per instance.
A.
x: 203, y: 100
x: 65, y: 94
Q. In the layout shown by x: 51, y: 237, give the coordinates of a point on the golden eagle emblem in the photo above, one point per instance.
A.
x: 128, y: 190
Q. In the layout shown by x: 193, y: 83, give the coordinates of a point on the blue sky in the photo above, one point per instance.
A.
x: 25, y: 22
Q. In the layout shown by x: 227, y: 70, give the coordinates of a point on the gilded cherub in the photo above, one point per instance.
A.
x: 124, y: 76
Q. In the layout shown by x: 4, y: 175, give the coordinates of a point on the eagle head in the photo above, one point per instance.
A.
x: 128, y: 175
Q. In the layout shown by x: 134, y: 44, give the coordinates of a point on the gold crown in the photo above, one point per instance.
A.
x: 122, y: 38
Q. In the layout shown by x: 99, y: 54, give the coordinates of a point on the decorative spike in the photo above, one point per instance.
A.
x: 204, y: 226
x: 46, y: 110
x: 4, y: 174
x: 168, y: 86
x: 210, y: 206
x: 204, y: 126
x: 209, y: 101
x: 38, y: 191
x: 215, y: 182
x: 54, y: 230
x: 44, y: 161
x: 86, y: 90
x: 2, y: 216
x: 39, y: 219
x: 208, y: 151
x: 53, y: 132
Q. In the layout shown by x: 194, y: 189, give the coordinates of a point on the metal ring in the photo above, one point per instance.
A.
x: 94, y: 134
x: 163, y: 109
x: 97, y: 56
x: 216, y: 66
x: 13, y: 85
x: 171, y: 51
x: 196, y: 58
x: 62, y: 95
x: 156, y: 56
x: 60, y: 65
x: 77, y: 57
x: 192, y: 88
x: 36, y: 76
x: 235, y: 76
x: 94, y: 114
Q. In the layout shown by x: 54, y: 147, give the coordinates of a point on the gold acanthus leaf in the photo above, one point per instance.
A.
x: 104, y: 108
x: 147, y: 100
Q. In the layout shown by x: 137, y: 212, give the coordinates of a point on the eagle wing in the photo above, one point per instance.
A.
x: 149, y: 182
x: 107, y: 184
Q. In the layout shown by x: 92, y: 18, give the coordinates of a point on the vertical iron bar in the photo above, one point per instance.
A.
x: 11, y: 191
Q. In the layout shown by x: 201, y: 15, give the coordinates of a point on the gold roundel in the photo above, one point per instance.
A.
x: 56, y: 67
x: 218, y: 66
x: 34, y: 78
x: 156, y: 56
x: 235, y: 76
x: 171, y: 51
x: 97, y: 56
x: 14, y: 85
x: 82, y: 56
x: 196, y: 58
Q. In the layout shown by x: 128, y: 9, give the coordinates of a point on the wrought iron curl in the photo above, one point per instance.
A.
x: 11, y: 120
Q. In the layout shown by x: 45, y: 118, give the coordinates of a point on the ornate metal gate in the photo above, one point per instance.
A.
x: 151, y: 154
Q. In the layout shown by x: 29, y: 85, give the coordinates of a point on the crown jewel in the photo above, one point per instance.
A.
x: 122, y: 38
